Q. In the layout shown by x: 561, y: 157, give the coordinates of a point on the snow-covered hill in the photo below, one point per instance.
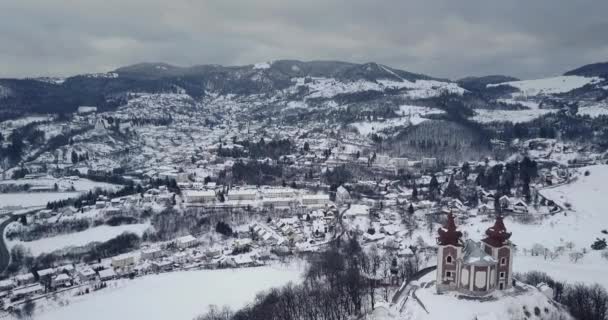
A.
x: 424, y: 303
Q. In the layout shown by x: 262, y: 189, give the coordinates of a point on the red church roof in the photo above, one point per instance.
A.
x: 497, y: 235
x: 448, y: 235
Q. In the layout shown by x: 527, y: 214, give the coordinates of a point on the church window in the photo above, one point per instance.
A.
x: 503, y: 261
x: 502, y: 275
x: 448, y: 259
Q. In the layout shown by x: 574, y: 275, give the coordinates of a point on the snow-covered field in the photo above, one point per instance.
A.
x: 515, y: 116
x: 329, y: 87
x: 176, y: 295
x: 410, y: 115
x: 510, y: 305
x: 591, y: 269
x: 63, y: 183
x: 594, y: 111
x: 548, y: 85
x: 37, y: 199
x: 100, y: 233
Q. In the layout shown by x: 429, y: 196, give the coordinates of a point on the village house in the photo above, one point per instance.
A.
x: 186, y: 242
x: 242, y: 195
x: 106, y: 274
x: 26, y: 278
x: 315, y: 200
x: 86, y: 273
x: 61, y: 280
x: 199, y: 196
x: 124, y: 262
x: 151, y: 253
x: 27, y: 291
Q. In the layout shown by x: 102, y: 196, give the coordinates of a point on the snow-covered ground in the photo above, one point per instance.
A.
x: 509, y: 305
x: 100, y: 233
x: 590, y: 270
x: 515, y: 116
x: 175, y: 295
x: 419, y: 89
x: 37, y: 199
x: 64, y: 183
x: 410, y: 115
x: 581, y: 226
x: 594, y: 111
x: 548, y: 85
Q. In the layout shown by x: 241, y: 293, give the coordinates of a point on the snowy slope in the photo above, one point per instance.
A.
x: 511, y: 304
x: 330, y: 87
x: 545, y: 86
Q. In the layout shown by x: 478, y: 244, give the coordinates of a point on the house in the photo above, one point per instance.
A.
x: 504, y: 201
x: 152, y: 253
x: 519, y: 207
x: 485, y: 209
x: 278, y: 202
x: 243, y: 261
x: 106, y: 274
x: 123, y: 262
x: 186, y: 241
x: 7, y: 284
x: 27, y: 291
x: 86, y: 273
x: 26, y: 278
x: 61, y: 280
x: 277, y: 193
x: 242, y: 195
x: 315, y: 200
x: 46, y: 274
x: 181, y: 257
x: 428, y: 163
x: 161, y: 266
x: 199, y: 196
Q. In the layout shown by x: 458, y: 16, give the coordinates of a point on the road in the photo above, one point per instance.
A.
x: 5, y: 256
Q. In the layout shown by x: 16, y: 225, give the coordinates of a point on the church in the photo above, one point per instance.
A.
x: 470, y: 267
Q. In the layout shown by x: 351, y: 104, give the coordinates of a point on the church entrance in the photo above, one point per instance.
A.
x: 501, y: 286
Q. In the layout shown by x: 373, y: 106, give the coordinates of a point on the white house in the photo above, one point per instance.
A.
x: 242, y: 195
x: 27, y: 291
x: 151, y: 253
x: 315, y: 200
x: 86, y: 273
x: 429, y: 162
x: 61, y: 280
x: 107, y: 274
x: 278, y: 193
x: 124, y: 262
x: 199, y: 196
x: 186, y: 241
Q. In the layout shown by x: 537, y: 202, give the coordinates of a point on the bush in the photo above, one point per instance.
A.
x: 599, y: 244
x: 223, y: 228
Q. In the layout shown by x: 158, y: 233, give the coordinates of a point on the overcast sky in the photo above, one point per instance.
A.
x: 443, y: 38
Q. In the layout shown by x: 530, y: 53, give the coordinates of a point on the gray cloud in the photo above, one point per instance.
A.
x: 443, y: 38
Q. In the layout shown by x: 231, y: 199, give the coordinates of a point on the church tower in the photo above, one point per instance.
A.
x: 448, y: 255
x: 497, y: 245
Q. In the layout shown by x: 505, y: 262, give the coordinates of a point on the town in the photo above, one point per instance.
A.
x: 231, y: 203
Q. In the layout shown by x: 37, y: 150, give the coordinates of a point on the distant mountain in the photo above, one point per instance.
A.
x: 107, y: 90
x: 590, y: 70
